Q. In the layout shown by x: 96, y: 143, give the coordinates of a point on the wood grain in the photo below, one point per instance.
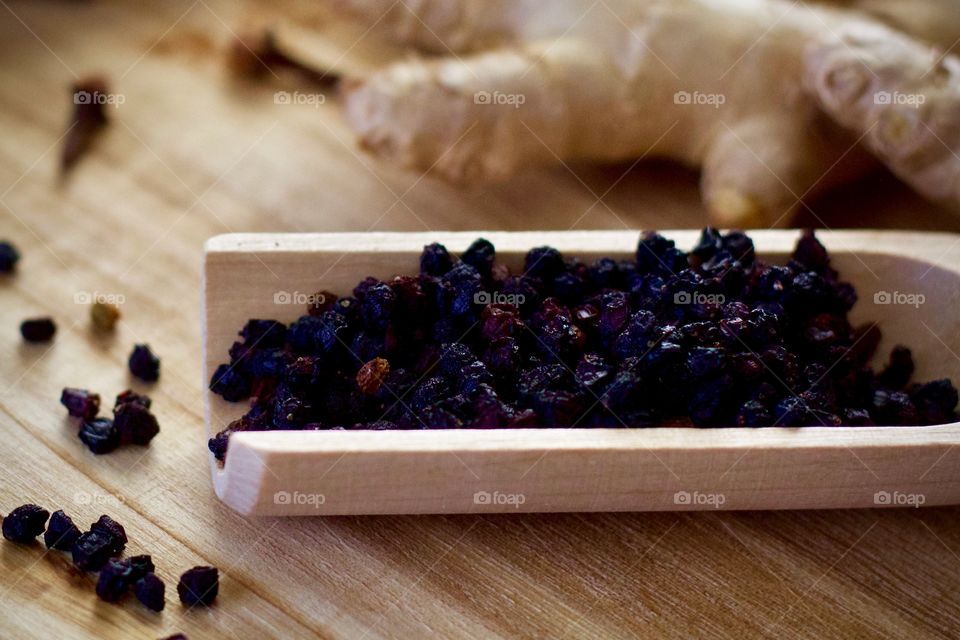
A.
x: 191, y: 155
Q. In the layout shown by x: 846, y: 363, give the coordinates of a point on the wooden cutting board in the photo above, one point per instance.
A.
x: 191, y: 155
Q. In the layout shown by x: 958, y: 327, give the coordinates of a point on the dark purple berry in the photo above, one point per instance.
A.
x: 140, y: 565
x: 377, y: 305
x: 150, y: 592
x: 92, y: 550
x: 114, y: 580
x: 100, y: 435
x: 218, y: 444
x: 480, y: 255
x: 143, y: 364
x: 545, y: 263
x: 228, y: 381
x: 61, y: 533
x: 80, y: 403
x: 199, y: 585
x: 111, y: 527
x: 657, y: 254
x: 810, y: 253
x: 38, y: 329
x: 135, y: 424
x: 264, y: 334
x: 25, y: 523
x: 9, y: 256
x: 899, y: 370
x: 130, y: 396
x: 936, y: 401
x: 435, y: 260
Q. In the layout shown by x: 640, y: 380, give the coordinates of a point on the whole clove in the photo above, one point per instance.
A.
x: 89, y: 117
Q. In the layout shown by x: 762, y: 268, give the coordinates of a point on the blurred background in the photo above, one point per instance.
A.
x: 192, y: 147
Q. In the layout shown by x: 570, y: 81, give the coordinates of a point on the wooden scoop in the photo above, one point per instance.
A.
x: 909, y: 282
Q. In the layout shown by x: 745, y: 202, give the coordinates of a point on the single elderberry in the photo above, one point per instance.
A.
x: 199, y: 585
x: 61, y: 533
x: 38, y: 329
x: 114, y: 580
x: 480, y: 255
x: 898, y: 371
x: 9, y: 256
x: 545, y: 263
x: 80, y: 403
x: 25, y: 523
x: 130, y: 396
x: 228, y: 381
x: 135, y: 423
x: 92, y: 550
x: 100, y: 435
x: 114, y: 529
x: 143, y: 364
x: 150, y: 591
x: 264, y: 334
x: 435, y: 260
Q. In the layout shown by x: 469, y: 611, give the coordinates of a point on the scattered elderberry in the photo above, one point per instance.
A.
x: 92, y: 550
x: 80, y: 403
x: 25, y: 523
x: 143, y: 364
x: 150, y: 591
x: 114, y: 580
x: 9, y: 256
x: 100, y: 435
x: 61, y: 533
x: 130, y: 396
x: 199, y: 585
x: 38, y: 329
x: 114, y: 529
x: 118, y: 575
x: 134, y: 423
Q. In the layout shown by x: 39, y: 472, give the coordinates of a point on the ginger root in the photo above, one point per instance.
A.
x: 775, y: 101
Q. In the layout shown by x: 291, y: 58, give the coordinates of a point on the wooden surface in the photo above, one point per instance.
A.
x: 547, y: 470
x: 191, y: 155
